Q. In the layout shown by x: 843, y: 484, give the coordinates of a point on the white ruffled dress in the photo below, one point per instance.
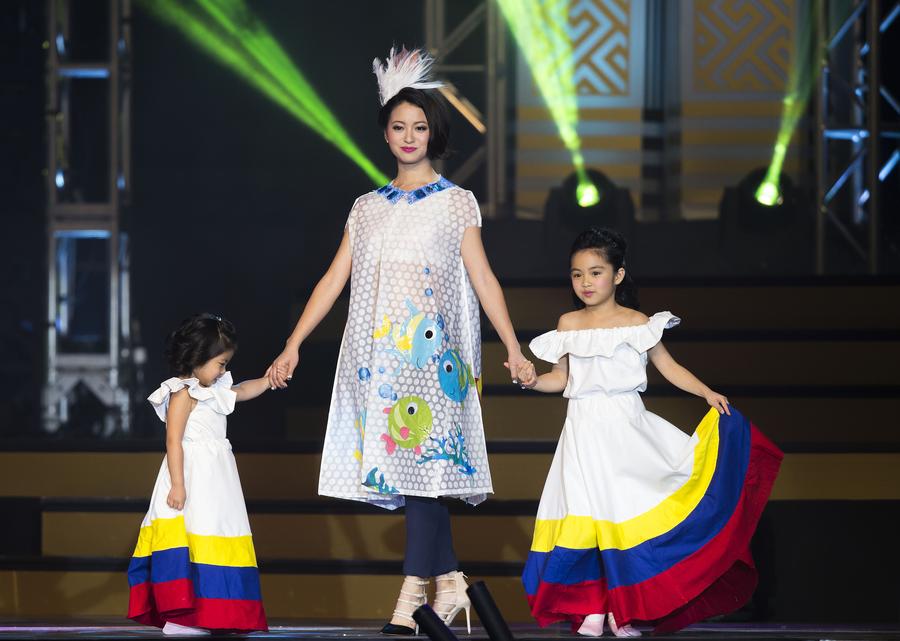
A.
x: 631, y: 459
x: 197, y: 566
x: 637, y: 517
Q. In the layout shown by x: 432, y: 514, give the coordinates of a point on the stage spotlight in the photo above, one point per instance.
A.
x: 767, y: 194
x: 587, y: 194
x: 765, y: 199
x: 589, y: 200
x: 763, y: 227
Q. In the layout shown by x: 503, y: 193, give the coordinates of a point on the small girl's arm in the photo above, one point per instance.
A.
x: 176, y: 419
x: 246, y: 390
x: 684, y: 379
x: 556, y: 379
x: 553, y: 381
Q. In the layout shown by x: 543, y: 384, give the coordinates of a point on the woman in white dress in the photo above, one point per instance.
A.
x: 638, y: 521
x: 404, y: 424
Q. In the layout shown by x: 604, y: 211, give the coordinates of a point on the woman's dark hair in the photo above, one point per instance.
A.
x: 198, y: 339
x: 612, y: 246
x: 435, y: 113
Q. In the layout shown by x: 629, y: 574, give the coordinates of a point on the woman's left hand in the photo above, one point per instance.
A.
x: 527, y: 376
x: 718, y: 401
x: 515, y: 362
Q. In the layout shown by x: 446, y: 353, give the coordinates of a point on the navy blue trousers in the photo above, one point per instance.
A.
x: 429, y: 542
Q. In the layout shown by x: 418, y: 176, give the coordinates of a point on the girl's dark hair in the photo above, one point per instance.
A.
x: 198, y: 339
x: 435, y: 113
x: 612, y: 246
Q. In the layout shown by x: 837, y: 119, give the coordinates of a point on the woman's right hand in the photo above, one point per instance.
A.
x: 282, y: 368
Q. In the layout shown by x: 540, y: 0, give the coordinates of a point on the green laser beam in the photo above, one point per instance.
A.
x: 229, y: 32
x: 793, y: 107
x: 802, y: 75
x: 251, y: 35
x: 540, y: 31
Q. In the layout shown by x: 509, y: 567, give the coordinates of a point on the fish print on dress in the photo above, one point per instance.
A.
x: 405, y: 416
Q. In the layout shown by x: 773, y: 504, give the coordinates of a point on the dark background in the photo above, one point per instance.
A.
x: 236, y: 208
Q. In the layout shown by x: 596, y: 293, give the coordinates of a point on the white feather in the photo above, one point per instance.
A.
x: 403, y: 69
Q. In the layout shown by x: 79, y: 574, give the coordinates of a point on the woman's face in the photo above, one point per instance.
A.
x: 407, y: 133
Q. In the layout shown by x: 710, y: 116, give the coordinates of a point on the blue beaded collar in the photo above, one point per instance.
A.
x: 393, y: 194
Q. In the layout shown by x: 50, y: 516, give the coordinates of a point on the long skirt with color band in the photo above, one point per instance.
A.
x: 682, y: 561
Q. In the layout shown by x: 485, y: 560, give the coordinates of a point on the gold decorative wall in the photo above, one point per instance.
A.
x: 607, y: 37
x: 676, y: 101
x: 735, y: 60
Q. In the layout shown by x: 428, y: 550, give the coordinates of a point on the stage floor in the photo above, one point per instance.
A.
x: 359, y: 631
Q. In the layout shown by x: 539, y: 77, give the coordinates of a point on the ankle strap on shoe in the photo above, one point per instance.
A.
x: 451, y: 576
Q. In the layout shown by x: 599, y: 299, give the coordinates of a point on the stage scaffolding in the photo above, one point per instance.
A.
x: 88, y: 333
x: 849, y: 164
x: 445, y: 36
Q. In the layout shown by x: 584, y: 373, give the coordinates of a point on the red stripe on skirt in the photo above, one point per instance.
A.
x: 155, y: 604
x: 716, y: 579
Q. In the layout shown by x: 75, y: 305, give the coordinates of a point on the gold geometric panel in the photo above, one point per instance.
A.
x: 599, y: 31
x: 742, y: 46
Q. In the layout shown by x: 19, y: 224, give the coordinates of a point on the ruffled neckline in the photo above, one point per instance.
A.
x: 393, y: 194
x: 602, y: 341
x: 219, y: 396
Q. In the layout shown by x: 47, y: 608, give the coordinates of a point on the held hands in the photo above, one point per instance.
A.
x: 718, y: 401
x: 521, y: 370
x: 528, y: 377
x: 282, y: 368
x: 177, y: 497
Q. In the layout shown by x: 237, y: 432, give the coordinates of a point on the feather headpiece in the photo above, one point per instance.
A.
x: 403, y: 69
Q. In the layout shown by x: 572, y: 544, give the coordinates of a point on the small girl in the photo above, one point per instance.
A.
x: 194, y: 566
x: 638, y: 521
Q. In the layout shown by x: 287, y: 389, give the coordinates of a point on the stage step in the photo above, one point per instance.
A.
x: 825, y: 420
x: 516, y: 476
x: 810, y: 362
x: 808, y: 304
x: 789, y: 547
x: 85, y: 592
x: 729, y: 363
x: 784, y: 354
x: 292, y: 532
x: 839, y: 362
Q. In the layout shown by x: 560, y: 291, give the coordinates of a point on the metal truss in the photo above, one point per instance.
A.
x: 442, y: 40
x: 849, y: 167
x: 83, y: 221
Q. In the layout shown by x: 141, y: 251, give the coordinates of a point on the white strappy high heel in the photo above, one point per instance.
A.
x: 450, y: 600
x: 412, y: 596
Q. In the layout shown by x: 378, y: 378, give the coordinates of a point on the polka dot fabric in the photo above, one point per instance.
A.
x: 405, y: 417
